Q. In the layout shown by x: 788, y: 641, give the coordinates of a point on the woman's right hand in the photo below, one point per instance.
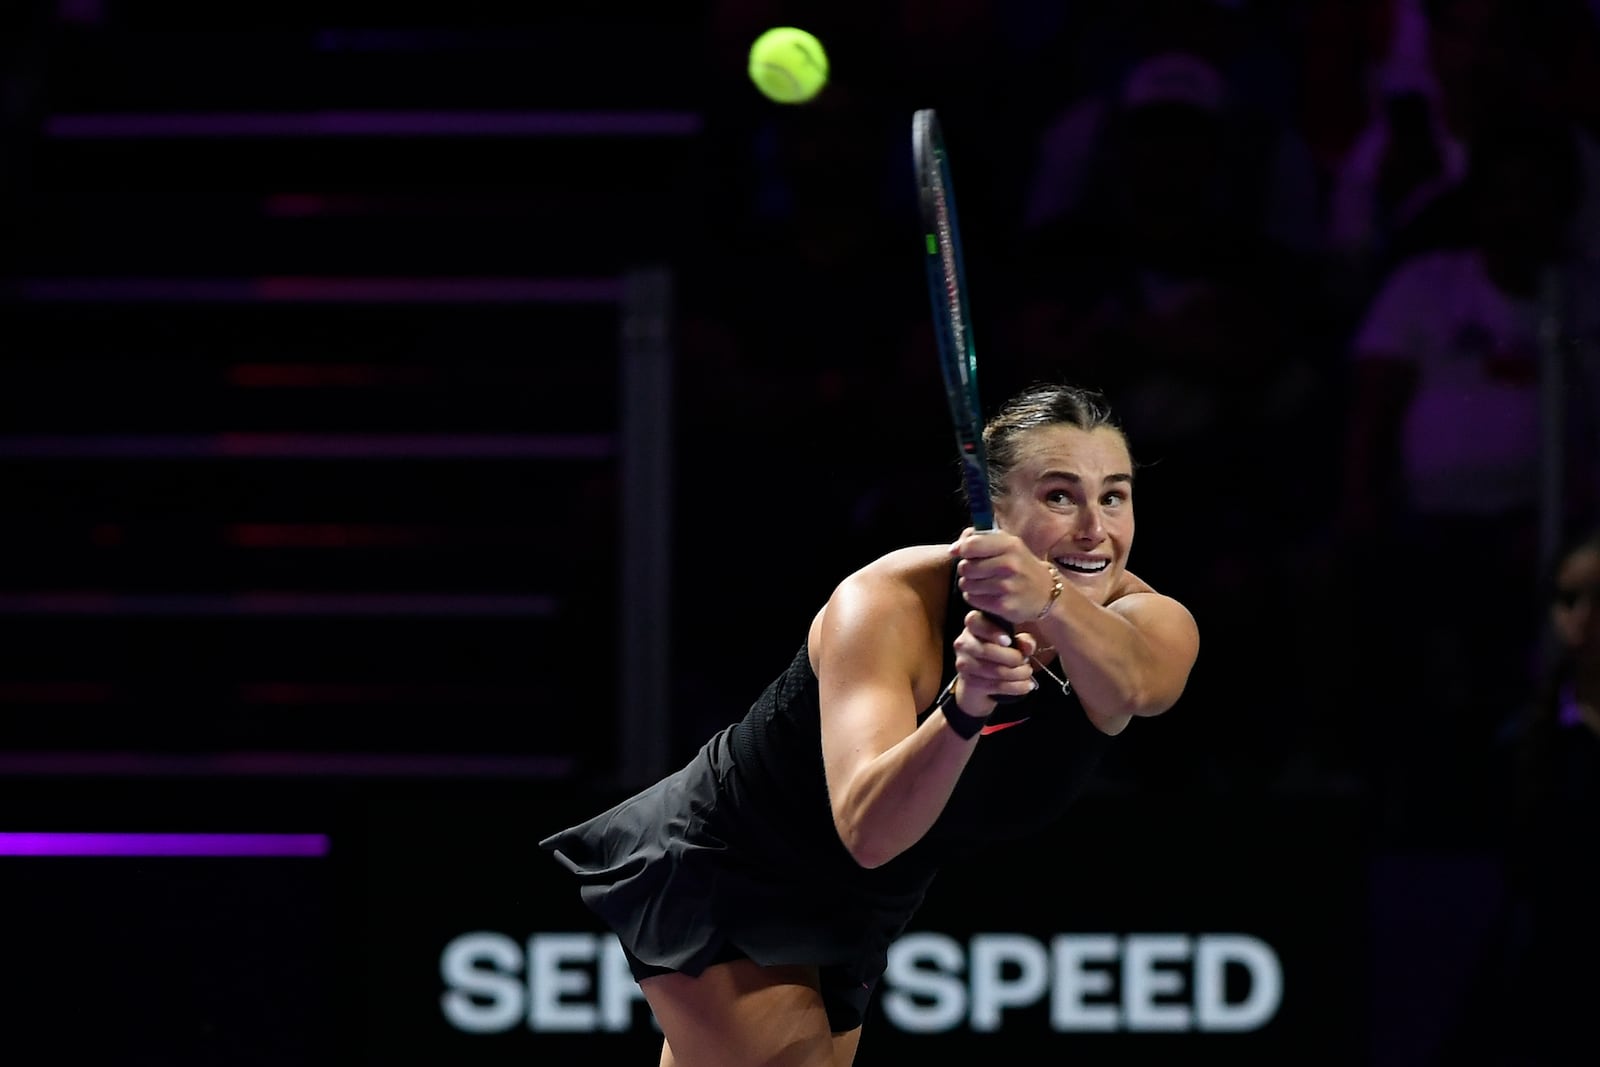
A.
x: 991, y: 662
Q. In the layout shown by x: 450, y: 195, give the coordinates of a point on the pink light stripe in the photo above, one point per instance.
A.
x: 79, y: 844
x: 281, y: 764
x: 110, y: 126
x: 309, y: 446
x: 315, y: 290
x: 481, y: 290
x: 247, y: 604
x: 56, y: 692
x: 138, y: 290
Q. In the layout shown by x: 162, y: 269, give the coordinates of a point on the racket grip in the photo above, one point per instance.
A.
x: 1005, y: 624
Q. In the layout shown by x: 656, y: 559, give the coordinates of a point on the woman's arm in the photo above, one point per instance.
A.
x: 878, y: 651
x: 1130, y: 656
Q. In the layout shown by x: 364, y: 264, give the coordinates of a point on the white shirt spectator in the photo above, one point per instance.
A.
x: 1471, y: 439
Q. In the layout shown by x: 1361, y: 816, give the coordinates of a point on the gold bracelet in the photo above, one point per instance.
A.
x: 1055, y: 576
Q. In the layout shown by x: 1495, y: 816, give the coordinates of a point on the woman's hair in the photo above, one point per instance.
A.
x: 1574, y: 543
x: 1042, y: 404
x: 1559, y: 661
x: 1538, y: 725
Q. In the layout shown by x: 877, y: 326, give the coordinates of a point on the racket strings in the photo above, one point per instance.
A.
x: 952, y: 279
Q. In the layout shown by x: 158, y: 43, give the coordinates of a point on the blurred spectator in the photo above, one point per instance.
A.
x: 1495, y: 57
x: 1556, y: 736
x: 1443, y: 460
x: 1199, y: 327
x: 1207, y: 53
x: 1450, y: 68
x: 1150, y: 290
x: 1339, y: 44
x: 1403, y: 159
x: 1145, y: 235
x: 1553, y: 938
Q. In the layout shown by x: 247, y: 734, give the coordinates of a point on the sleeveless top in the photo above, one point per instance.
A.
x: 1029, y: 767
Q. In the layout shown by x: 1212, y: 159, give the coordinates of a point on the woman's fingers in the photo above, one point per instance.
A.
x: 990, y: 657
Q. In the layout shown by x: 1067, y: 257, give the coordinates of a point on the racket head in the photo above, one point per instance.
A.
x: 947, y: 291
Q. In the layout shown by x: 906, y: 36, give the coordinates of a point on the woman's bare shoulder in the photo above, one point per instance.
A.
x: 1138, y: 600
x: 913, y: 565
x: 896, y: 586
x: 1131, y: 583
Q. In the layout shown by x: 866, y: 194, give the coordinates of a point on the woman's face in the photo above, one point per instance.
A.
x: 1070, y: 498
x: 1575, y: 611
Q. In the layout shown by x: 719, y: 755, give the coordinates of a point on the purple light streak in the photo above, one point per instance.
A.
x: 315, y: 446
x: 310, y: 289
x: 265, y: 604
x: 377, y: 124
x: 278, y: 764
x: 129, y: 844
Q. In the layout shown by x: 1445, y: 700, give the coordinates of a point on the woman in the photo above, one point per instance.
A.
x: 946, y: 697
x: 1554, y: 876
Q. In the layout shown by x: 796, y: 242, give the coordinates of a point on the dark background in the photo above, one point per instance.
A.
x: 424, y: 423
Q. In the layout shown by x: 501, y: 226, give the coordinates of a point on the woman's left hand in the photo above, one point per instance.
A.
x: 997, y: 573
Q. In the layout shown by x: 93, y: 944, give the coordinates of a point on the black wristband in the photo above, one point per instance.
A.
x: 963, y: 725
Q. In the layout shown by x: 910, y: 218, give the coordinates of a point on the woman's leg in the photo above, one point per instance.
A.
x: 844, y: 1049
x: 740, y: 1014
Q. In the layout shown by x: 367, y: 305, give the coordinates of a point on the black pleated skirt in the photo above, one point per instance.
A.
x: 693, y: 870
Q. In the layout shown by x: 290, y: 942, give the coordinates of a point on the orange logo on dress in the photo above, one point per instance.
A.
x: 994, y: 728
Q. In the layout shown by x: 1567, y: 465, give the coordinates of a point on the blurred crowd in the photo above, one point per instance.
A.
x: 1333, y: 261
x: 1336, y: 263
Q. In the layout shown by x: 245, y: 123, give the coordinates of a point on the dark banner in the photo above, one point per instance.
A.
x: 1153, y: 930
x: 308, y: 924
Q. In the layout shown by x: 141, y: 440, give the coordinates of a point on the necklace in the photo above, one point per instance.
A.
x: 1064, y: 682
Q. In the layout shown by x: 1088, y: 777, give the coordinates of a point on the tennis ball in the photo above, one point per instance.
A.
x: 788, y: 65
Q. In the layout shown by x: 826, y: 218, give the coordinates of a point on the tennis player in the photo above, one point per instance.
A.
x: 756, y: 891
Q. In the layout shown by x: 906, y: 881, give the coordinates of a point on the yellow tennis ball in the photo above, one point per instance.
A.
x: 788, y: 65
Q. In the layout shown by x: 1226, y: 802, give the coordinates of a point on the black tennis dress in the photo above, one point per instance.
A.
x: 736, y: 854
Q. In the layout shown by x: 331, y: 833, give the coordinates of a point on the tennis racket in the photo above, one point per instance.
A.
x: 952, y: 325
x: 947, y: 289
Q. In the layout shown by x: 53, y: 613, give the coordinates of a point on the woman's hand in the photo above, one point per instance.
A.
x: 991, y: 662
x: 997, y: 573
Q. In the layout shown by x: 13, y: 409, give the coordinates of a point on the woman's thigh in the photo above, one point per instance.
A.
x: 740, y: 1014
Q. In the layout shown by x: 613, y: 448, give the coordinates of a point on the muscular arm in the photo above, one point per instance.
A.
x: 1129, y: 658
x: 877, y: 655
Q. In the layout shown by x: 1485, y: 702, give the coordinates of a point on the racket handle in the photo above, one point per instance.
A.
x: 988, y: 526
x: 1005, y: 624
